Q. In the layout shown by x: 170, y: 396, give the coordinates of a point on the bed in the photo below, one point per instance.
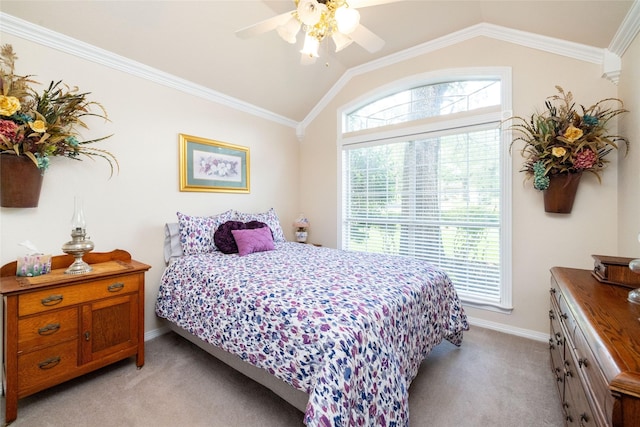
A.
x: 339, y: 334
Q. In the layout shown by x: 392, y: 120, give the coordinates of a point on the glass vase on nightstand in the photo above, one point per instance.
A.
x: 301, y: 236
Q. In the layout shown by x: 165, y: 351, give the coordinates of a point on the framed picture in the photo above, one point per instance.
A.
x: 207, y: 165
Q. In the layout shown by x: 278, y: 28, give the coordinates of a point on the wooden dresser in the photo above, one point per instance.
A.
x: 59, y: 326
x: 595, y: 350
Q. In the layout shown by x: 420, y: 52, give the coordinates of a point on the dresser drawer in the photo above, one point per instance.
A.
x: 52, y: 299
x: 46, y: 329
x: 593, y: 377
x: 47, y: 365
x: 566, y: 317
x: 577, y: 409
x: 556, y: 347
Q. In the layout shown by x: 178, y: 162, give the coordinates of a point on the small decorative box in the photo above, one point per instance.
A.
x: 33, y: 265
x: 615, y: 271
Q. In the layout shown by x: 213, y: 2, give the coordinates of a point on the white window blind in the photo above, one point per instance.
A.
x: 432, y: 197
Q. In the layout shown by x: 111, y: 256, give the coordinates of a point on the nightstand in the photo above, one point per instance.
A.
x: 59, y: 326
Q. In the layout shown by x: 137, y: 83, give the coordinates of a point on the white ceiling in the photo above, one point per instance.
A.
x: 195, y: 40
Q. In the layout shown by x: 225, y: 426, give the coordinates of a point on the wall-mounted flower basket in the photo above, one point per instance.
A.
x: 20, y: 182
x: 564, y: 140
x: 35, y: 126
x: 561, y: 193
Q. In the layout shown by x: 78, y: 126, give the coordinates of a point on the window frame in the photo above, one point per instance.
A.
x: 434, y: 126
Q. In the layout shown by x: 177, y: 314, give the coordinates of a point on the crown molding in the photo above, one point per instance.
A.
x: 627, y: 31
x: 535, y: 41
x: 43, y: 36
x: 608, y: 58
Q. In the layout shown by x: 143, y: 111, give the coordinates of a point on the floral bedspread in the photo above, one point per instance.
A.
x: 351, y: 329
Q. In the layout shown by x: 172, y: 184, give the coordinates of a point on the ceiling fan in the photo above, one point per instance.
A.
x: 321, y: 19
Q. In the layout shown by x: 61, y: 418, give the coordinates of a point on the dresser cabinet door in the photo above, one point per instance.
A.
x: 109, y: 326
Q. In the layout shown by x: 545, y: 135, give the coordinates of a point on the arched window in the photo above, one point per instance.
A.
x: 424, y: 175
x: 433, y: 100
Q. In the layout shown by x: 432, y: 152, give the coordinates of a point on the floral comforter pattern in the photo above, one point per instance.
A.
x: 351, y: 329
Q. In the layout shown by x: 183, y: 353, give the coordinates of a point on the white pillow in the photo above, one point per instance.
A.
x: 172, y: 247
x: 269, y: 217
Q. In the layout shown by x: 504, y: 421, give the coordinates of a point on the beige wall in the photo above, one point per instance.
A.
x: 130, y: 210
x: 629, y: 168
x: 540, y: 240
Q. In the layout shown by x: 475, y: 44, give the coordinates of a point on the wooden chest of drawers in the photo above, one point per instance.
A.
x: 595, y: 350
x: 60, y: 326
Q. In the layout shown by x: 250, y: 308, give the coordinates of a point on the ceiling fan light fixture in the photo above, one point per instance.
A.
x: 310, y: 47
x: 340, y: 40
x: 319, y: 20
x: 347, y: 19
x: 289, y: 30
x: 310, y: 11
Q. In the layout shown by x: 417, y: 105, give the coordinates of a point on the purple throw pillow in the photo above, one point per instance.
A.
x: 253, y: 240
x: 223, y: 238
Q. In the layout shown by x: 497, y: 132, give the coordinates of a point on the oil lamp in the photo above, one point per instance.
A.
x: 78, y: 245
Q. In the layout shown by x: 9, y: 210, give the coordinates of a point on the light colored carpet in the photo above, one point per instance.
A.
x: 493, y: 379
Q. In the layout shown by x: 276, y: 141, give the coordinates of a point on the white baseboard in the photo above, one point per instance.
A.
x: 511, y: 330
x: 149, y: 335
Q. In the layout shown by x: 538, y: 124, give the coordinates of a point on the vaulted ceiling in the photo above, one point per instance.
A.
x: 196, y: 41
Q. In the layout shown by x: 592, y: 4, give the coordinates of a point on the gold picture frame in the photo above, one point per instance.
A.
x: 214, y: 166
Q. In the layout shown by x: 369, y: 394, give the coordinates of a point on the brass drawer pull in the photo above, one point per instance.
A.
x: 116, y: 287
x: 49, y: 363
x: 49, y: 329
x: 51, y: 300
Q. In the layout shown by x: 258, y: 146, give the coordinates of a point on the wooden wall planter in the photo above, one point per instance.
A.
x: 20, y: 182
x: 560, y: 195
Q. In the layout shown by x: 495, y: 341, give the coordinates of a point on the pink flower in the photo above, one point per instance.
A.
x: 8, y: 129
x: 585, y: 159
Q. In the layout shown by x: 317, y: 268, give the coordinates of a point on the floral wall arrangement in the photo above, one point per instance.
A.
x: 565, y: 140
x: 43, y: 124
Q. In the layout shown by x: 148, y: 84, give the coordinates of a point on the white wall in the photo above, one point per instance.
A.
x: 629, y: 175
x: 129, y: 211
x: 540, y: 240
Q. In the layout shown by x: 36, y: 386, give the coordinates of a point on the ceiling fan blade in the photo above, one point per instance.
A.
x: 366, y: 3
x: 264, y: 26
x: 365, y: 38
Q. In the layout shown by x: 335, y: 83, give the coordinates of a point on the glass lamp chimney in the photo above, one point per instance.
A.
x: 77, y: 221
x: 78, y: 245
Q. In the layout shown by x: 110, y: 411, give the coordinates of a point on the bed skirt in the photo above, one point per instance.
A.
x: 295, y: 397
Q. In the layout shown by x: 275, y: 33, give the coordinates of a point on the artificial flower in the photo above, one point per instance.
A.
x: 564, y: 139
x: 42, y: 124
x: 572, y: 133
x: 38, y: 126
x: 585, y: 159
x: 8, y: 129
x: 9, y: 105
